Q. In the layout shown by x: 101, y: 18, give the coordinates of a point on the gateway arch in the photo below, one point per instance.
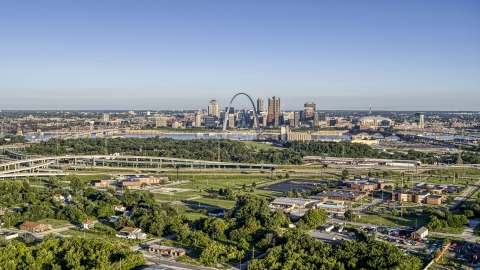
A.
x: 225, y: 118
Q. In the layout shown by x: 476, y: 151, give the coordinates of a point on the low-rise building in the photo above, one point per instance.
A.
x: 58, y: 197
x: 433, y: 199
x: 119, y: 208
x: 420, y: 233
x: 164, y: 250
x: 87, y: 224
x: 33, y: 227
x: 151, y: 180
x: 340, y: 195
x: 131, y: 184
x: 331, y: 207
x: 131, y: 233
x: 289, y: 203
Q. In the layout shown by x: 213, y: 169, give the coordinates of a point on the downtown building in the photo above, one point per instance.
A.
x: 274, y: 112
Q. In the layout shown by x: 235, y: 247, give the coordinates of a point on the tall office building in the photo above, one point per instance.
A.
x: 160, y: 121
x: 231, y: 120
x: 308, y: 111
x: 322, y: 117
x: 105, y: 117
x: 198, y: 120
x: 213, y: 108
x: 296, y: 119
x: 315, y: 120
x: 274, y: 111
x: 420, y: 120
x: 260, y: 107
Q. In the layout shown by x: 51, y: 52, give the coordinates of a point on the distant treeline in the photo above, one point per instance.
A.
x: 229, y: 150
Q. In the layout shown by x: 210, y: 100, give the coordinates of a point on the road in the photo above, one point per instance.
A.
x: 466, y: 235
x: 467, y: 192
x: 152, y: 259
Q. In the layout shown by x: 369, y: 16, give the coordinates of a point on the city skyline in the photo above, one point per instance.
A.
x: 158, y: 55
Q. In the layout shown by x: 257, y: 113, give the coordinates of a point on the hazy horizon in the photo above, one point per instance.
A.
x: 148, y: 55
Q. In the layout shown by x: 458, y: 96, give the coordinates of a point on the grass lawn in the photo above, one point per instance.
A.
x: 189, y: 211
x: 393, y: 221
x: 55, y: 223
x: 212, y: 202
x: 452, y: 230
x: 472, y: 199
x: 76, y: 233
x: 259, y: 145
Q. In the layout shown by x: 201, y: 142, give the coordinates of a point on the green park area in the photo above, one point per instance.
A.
x: 260, y: 146
x: 55, y: 223
x: 79, y: 233
x: 393, y: 221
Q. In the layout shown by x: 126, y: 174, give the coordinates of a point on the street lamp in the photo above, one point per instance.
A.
x: 177, y: 167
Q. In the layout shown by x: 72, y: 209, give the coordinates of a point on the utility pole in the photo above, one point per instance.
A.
x: 253, y: 253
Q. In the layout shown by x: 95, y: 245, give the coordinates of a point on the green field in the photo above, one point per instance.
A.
x: 77, y: 233
x: 394, y: 221
x: 473, y: 198
x: 55, y: 223
x: 259, y: 145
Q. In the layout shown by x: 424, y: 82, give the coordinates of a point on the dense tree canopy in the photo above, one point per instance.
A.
x: 69, y: 253
x: 301, y: 251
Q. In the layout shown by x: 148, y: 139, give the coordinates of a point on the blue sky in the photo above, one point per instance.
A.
x: 410, y: 55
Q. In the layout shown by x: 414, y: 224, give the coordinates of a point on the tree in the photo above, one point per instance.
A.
x: 243, y: 245
x: 248, y: 206
x: 345, y: 174
x: 76, y: 184
x: 215, y: 227
x: 254, y: 184
x: 349, y: 215
x: 277, y: 220
x: 394, y: 212
x: 314, y: 218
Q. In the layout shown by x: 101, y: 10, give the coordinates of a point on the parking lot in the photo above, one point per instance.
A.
x: 299, y: 184
x: 464, y: 251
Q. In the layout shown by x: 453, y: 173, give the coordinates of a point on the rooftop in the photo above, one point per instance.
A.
x: 285, y: 200
x: 128, y: 229
x: 30, y: 224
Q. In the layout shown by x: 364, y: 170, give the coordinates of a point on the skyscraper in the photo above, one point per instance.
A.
x: 274, y: 111
x: 309, y: 110
x: 420, y: 120
x: 315, y: 120
x: 296, y: 119
x: 260, y: 107
x: 160, y: 121
x: 213, y: 108
x: 198, y: 120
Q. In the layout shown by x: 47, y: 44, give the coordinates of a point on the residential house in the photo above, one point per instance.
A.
x: 59, y: 197
x: 87, y: 224
x: 119, y: 208
x: 33, y: 227
x: 131, y: 233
